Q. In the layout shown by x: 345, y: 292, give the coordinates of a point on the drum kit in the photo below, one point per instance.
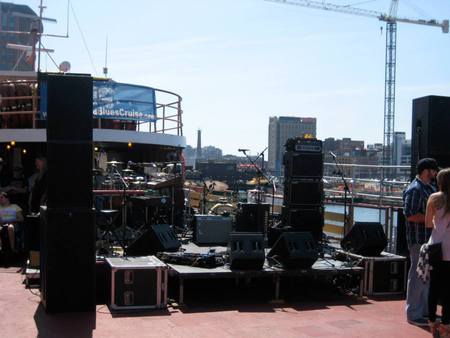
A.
x: 115, y: 178
x: 114, y: 188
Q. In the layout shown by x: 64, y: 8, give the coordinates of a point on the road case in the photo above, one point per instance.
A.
x: 137, y: 283
x: 384, y: 275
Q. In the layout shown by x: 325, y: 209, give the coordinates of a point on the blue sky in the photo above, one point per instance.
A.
x: 238, y: 62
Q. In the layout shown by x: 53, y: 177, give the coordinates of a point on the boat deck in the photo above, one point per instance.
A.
x: 314, y: 313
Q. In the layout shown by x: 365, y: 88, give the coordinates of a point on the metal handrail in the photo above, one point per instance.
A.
x: 162, y: 123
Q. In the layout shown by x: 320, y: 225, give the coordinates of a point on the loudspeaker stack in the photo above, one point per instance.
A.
x: 430, y: 121
x: 67, y: 222
x: 303, y: 187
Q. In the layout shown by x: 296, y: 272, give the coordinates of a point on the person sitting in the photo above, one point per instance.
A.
x: 10, y: 215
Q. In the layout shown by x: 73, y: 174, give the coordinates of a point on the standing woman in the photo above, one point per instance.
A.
x: 438, y: 218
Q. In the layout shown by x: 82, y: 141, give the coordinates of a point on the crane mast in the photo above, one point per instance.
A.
x: 391, y: 20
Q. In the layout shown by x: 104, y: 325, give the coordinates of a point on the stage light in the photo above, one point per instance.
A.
x: 24, y: 151
x: 130, y: 145
x: 8, y: 146
x: 95, y: 148
x: 13, y: 143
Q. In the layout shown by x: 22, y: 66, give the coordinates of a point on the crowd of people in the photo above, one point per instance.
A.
x: 427, y: 211
x: 20, y: 196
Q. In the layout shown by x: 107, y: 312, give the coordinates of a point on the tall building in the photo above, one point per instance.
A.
x: 16, y: 18
x: 199, y: 145
x: 399, y: 140
x: 280, y: 130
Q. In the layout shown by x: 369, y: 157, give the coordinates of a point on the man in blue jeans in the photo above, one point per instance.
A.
x: 415, y: 200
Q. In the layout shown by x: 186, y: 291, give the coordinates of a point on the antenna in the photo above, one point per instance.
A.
x: 105, y: 69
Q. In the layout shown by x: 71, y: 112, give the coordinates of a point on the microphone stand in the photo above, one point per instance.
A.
x: 260, y: 175
x: 346, y: 190
x: 124, y: 206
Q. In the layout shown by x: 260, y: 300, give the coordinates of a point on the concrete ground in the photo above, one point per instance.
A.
x: 215, y: 314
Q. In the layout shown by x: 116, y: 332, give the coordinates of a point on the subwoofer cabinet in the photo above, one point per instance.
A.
x: 137, y: 283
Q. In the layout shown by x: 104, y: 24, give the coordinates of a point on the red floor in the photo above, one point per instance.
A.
x: 22, y: 316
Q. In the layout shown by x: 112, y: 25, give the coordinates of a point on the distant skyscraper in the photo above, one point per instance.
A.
x: 280, y: 130
x: 399, y: 140
x: 199, y: 144
x: 16, y: 18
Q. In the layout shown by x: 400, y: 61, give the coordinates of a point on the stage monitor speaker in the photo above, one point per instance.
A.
x: 302, y: 165
x: 365, y: 239
x: 67, y: 256
x: 295, y: 250
x: 303, y: 192
x: 69, y: 176
x: 212, y: 229
x: 66, y: 99
x: 430, y: 136
x: 246, y: 250
x: 252, y: 217
x: 158, y: 238
x: 310, y: 219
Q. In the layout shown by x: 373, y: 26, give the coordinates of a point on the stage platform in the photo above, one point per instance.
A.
x: 323, y: 267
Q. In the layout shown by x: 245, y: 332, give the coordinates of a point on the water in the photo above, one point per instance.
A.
x: 360, y: 214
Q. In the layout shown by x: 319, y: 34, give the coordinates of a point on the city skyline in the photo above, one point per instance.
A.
x: 236, y: 63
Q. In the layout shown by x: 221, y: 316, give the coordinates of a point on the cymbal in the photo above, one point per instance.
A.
x: 128, y: 170
x: 216, y: 185
x: 254, y: 181
x: 114, y: 162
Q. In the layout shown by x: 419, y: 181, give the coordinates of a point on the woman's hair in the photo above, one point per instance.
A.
x: 443, y: 182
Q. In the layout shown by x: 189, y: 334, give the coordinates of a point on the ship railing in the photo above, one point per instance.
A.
x: 381, y: 191
x: 18, y: 111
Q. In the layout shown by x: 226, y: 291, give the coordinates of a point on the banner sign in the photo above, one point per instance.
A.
x: 120, y: 101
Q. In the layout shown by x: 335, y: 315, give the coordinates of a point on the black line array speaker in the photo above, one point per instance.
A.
x: 68, y: 105
x: 430, y: 135
x: 66, y: 100
x: 295, y: 250
x: 305, y: 219
x: 365, y: 239
x: 69, y: 175
x: 67, y: 259
x: 158, y: 238
x: 246, y: 250
x: 67, y: 223
x: 252, y: 217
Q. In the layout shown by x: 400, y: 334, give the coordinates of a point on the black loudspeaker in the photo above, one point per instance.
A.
x: 252, y: 217
x: 159, y: 237
x: 365, y: 238
x: 246, y: 250
x: 303, y: 192
x: 32, y: 233
x: 401, y: 244
x: 303, y: 165
x: 66, y: 102
x: 430, y: 136
x: 309, y: 219
x: 295, y: 250
x: 69, y: 176
x: 67, y: 259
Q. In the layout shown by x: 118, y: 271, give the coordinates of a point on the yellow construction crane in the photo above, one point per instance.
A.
x: 391, y: 20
